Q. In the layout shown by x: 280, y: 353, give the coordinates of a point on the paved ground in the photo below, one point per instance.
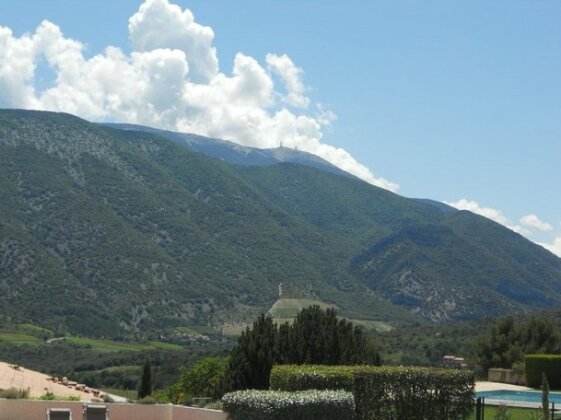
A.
x: 38, y: 384
x: 497, y: 386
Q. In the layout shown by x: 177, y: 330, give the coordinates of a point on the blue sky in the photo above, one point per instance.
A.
x: 449, y: 100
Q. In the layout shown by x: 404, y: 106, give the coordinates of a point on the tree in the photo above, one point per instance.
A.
x: 145, y: 388
x: 319, y: 337
x: 253, y: 357
x: 285, y: 349
x: 508, y: 341
x: 205, y: 379
x: 316, y: 337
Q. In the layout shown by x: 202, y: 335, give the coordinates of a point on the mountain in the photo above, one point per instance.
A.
x: 109, y: 230
x: 236, y: 154
x: 437, y: 261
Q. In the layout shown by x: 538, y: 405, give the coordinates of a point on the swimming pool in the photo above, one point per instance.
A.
x: 534, y: 397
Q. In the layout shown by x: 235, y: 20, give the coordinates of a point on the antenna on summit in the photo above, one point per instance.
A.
x: 281, y: 144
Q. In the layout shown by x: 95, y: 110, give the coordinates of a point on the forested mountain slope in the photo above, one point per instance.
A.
x: 104, y: 230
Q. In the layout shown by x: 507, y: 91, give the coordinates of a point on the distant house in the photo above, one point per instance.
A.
x: 454, y: 362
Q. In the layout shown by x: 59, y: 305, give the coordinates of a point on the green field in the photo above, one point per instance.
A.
x: 19, y: 338
x: 130, y: 394
x: 29, y: 334
x: 286, y: 309
x: 33, y: 329
x: 165, y: 346
x: 233, y: 329
x: 289, y: 308
x: 515, y: 413
x: 185, y: 330
x: 122, y: 368
x: 378, y: 326
x: 107, y: 345
x: 283, y: 310
x: 23, y: 334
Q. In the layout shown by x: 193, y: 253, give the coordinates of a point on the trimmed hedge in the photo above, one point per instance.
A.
x: 550, y: 364
x: 387, y: 392
x: 412, y: 393
x: 303, y: 377
x: 281, y: 405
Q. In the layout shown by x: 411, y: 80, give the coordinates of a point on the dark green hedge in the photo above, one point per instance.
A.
x: 302, y: 377
x: 280, y: 405
x: 550, y: 364
x: 387, y: 392
x: 412, y: 393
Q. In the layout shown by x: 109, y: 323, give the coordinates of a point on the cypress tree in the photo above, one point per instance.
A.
x: 145, y: 388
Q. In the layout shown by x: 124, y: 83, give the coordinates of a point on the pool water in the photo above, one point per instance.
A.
x: 520, y: 396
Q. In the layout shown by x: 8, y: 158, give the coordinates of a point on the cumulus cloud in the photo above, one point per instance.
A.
x: 533, y: 222
x: 172, y: 80
x: 554, y: 247
x: 488, y: 212
x: 283, y: 66
x: 159, y: 24
x: 530, y: 222
x: 474, y: 207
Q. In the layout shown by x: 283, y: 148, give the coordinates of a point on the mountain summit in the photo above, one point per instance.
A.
x: 236, y: 154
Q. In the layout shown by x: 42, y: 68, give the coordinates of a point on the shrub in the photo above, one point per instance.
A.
x: 14, y: 394
x: 412, y: 393
x: 108, y: 398
x: 501, y: 413
x: 536, y: 364
x: 536, y: 414
x: 281, y: 405
x: 161, y: 396
x: 48, y: 396
x: 300, y: 378
x: 147, y: 400
x: 214, y: 405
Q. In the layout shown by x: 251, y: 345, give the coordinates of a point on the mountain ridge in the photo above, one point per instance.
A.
x: 237, y: 154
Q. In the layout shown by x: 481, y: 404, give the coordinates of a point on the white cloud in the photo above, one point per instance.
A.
x: 474, y: 207
x: 291, y: 76
x: 17, y: 69
x: 171, y: 80
x: 159, y: 24
x: 488, y: 212
x: 532, y: 221
x: 554, y: 247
